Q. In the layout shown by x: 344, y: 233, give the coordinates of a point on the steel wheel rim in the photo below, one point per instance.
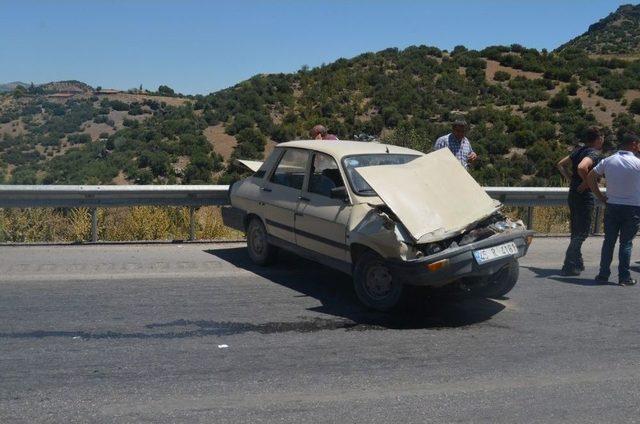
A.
x: 257, y: 240
x: 378, y: 281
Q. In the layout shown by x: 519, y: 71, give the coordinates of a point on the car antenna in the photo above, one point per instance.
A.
x: 387, y: 148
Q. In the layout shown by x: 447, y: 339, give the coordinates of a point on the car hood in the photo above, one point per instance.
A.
x: 433, y: 196
x: 251, y: 165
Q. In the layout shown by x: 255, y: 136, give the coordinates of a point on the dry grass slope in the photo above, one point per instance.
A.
x: 114, y: 224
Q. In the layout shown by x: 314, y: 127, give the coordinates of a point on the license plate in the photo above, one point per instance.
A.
x: 496, y: 252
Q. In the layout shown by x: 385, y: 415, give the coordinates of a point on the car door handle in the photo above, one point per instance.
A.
x: 268, y: 190
x: 304, y: 199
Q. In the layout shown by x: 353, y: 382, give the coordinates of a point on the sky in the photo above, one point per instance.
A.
x: 197, y: 47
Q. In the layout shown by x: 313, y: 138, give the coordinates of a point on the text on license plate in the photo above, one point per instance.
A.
x: 496, y: 252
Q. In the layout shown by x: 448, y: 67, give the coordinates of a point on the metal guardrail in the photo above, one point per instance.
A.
x: 529, y: 196
x: 95, y: 196
x: 538, y: 196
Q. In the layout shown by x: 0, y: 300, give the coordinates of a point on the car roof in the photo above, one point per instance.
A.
x: 341, y: 148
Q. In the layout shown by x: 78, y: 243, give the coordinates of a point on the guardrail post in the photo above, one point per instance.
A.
x: 529, y: 217
x: 94, y: 225
x: 596, y: 224
x: 192, y: 223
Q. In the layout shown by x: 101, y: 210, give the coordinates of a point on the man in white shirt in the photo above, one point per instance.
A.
x: 622, y: 214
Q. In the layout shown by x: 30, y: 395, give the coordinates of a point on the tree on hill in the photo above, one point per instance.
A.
x: 19, y: 91
x: 165, y: 90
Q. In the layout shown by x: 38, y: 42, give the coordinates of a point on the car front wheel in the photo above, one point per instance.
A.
x: 260, y: 251
x: 374, y: 283
x: 500, y: 283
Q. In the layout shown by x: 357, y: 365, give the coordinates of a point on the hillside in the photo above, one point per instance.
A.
x: 618, y: 33
x: 526, y: 108
x: 10, y: 86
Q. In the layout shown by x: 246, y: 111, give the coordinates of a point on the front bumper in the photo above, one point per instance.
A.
x: 461, y: 262
x: 233, y: 217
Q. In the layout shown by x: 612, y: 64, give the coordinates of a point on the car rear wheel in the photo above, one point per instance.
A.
x: 500, y: 283
x: 260, y: 251
x: 374, y: 283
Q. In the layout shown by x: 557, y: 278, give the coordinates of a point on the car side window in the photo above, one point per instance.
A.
x: 325, y: 175
x: 291, y: 169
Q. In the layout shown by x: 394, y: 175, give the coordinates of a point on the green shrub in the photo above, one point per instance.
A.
x: 559, y: 101
x: 501, y: 76
x: 135, y: 109
x: 79, y: 138
x: 634, y: 107
x: 119, y: 105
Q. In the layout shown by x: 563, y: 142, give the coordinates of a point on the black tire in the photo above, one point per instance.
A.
x: 260, y: 251
x: 374, y: 283
x: 500, y: 283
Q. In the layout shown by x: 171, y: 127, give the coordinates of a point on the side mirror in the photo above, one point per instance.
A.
x: 340, y: 193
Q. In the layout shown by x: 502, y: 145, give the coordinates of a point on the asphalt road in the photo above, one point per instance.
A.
x: 135, y: 333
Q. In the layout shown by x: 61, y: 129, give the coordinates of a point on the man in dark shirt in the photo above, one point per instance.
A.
x: 581, y: 201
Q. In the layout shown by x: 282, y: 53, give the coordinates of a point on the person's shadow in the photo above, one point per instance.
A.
x: 554, y: 274
x: 334, y: 291
x: 542, y: 272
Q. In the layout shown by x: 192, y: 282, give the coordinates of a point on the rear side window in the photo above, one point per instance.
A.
x: 291, y: 169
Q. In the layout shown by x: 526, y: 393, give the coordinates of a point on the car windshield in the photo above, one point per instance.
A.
x: 351, y: 163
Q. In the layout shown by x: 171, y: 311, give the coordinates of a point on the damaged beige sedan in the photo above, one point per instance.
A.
x: 389, y: 216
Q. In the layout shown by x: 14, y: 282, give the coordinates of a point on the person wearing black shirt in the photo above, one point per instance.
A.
x: 575, y: 168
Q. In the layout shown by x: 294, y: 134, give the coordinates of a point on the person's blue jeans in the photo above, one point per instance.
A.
x: 581, y: 208
x: 622, y: 221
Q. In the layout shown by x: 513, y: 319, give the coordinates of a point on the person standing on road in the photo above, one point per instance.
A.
x: 458, y: 143
x: 575, y: 168
x: 622, y: 213
x: 320, y: 132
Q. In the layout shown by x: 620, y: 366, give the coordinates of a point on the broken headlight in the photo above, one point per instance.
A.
x: 505, y: 225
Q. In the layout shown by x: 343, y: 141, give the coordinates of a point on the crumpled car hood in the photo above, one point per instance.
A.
x: 433, y: 196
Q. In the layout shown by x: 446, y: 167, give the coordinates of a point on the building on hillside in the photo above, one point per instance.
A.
x: 64, y: 95
x: 72, y: 90
x: 107, y: 91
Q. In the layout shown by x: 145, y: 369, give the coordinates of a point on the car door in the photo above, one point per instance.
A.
x: 280, y: 193
x: 321, y: 221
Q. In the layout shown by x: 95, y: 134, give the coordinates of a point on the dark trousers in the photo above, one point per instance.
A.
x: 622, y: 221
x: 581, y: 210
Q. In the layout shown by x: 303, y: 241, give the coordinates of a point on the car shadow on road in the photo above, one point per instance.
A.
x: 334, y: 291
